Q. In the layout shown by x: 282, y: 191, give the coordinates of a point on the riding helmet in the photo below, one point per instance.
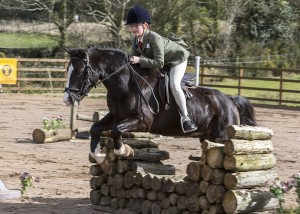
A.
x: 138, y: 14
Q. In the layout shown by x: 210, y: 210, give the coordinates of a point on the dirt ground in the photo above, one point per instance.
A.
x: 63, y: 167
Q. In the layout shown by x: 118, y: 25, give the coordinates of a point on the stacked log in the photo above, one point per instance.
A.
x: 249, y: 162
x: 230, y: 177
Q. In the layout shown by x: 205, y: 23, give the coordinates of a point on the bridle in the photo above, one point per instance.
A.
x: 90, y: 76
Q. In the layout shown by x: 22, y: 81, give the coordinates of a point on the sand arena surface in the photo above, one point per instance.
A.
x: 63, y: 167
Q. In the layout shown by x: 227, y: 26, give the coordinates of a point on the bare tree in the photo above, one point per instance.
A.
x: 59, y: 12
x: 110, y: 13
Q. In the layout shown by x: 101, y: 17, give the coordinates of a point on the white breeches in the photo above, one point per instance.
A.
x: 176, y: 74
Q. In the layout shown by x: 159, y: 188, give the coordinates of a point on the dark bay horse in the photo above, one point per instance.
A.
x: 134, y: 104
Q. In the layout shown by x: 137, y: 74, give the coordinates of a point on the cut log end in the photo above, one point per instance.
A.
x: 38, y: 136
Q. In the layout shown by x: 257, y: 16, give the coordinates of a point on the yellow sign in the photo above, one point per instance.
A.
x: 8, y: 71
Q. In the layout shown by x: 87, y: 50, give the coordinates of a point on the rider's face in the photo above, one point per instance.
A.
x: 137, y: 29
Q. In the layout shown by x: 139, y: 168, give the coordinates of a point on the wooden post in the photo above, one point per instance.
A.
x: 281, y: 88
x: 73, y: 120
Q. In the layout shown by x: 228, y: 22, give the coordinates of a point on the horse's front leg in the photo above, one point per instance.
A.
x: 102, y: 125
x: 131, y: 124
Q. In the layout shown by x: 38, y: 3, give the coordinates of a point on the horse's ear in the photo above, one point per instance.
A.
x: 66, y: 49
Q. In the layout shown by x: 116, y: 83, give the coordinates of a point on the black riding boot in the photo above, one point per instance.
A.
x: 188, y: 125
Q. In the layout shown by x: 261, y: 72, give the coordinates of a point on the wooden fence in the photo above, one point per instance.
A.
x: 261, y: 85
x: 273, y: 86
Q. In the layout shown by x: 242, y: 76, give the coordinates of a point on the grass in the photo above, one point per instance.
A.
x: 26, y: 40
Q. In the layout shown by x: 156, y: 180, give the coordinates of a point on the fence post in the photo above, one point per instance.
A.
x: 197, y: 68
x: 73, y: 120
x: 281, y: 88
x: 241, y: 74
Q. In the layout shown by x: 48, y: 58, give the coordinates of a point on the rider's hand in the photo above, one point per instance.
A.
x: 135, y: 59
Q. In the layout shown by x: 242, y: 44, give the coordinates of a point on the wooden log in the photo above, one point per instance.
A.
x: 217, y: 176
x: 206, y: 145
x: 204, y: 203
x: 241, y: 147
x: 153, y: 168
x: 173, y: 198
x: 109, y: 168
x: 122, y: 202
x: 156, y: 208
x: 193, y: 204
x: 193, y: 171
x: 169, y: 185
x: 152, y: 195
x: 150, y: 155
x: 134, y: 205
x: 142, y: 193
x: 194, y: 157
x: 215, y: 193
x: 172, y: 210
x: 146, y: 182
x: 110, y: 180
x: 215, y: 157
x: 95, y: 196
x: 246, y: 201
x: 146, y: 207
x: 249, y: 132
x: 203, y: 186
x: 180, y: 187
x: 118, y: 181
x: 138, y: 179
x: 164, y: 203
x: 98, y: 115
x: 192, y: 188
x: 96, y: 170
x: 156, y: 183
x: 182, y: 202
x: 206, y: 172
x: 104, y: 189
x: 111, y: 155
x: 84, y: 117
x: 216, y: 209
x: 97, y: 181
x: 133, y: 137
x: 251, y: 162
x: 124, y: 165
x: 128, y: 193
x: 128, y: 179
x: 121, y: 193
x: 203, y: 158
x: 246, y: 180
x: 112, y: 191
x: 43, y: 136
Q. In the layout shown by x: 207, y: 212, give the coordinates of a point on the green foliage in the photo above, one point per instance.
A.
x: 54, y: 123
x: 27, y: 181
x: 279, y: 188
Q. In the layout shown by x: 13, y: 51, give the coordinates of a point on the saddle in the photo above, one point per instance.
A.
x: 188, y: 80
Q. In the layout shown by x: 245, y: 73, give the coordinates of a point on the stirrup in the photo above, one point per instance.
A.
x: 193, y: 127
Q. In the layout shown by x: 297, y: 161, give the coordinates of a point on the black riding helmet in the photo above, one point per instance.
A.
x: 138, y: 14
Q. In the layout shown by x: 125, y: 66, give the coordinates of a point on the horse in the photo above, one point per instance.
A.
x: 134, y: 104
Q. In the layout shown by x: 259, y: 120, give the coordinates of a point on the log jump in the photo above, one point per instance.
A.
x: 229, y: 177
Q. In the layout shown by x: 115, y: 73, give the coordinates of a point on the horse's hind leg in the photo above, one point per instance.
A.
x: 104, y: 124
x: 127, y: 125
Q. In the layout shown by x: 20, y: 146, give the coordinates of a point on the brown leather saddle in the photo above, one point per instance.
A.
x: 188, y: 81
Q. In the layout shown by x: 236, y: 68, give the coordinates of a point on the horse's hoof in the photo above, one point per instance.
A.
x: 125, y: 151
x: 99, y: 158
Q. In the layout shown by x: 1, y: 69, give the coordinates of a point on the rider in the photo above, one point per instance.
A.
x: 151, y: 50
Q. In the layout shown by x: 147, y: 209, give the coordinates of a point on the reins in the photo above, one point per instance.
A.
x: 89, y: 68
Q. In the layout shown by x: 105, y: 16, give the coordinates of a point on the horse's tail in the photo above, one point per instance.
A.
x: 246, y: 110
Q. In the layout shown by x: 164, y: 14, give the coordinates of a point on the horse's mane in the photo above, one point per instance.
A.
x: 106, y: 48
